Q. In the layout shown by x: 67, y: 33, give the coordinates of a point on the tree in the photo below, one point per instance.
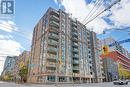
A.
x: 23, y: 73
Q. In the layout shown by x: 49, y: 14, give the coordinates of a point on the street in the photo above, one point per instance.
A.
x: 10, y: 84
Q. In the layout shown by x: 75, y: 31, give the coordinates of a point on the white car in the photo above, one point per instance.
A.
x: 120, y: 82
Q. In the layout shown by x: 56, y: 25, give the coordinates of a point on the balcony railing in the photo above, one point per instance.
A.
x: 54, y: 29
x: 55, y: 18
x: 50, y: 68
x: 74, y: 44
x: 74, y: 23
x: 52, y: 49
x: 51, y: 57
x: 75, y: 50
x: 75, y: 56
x: 74, y: 39
x: 54, y: 36
x: 75, y: 62
x: 74, y: 34
x: 52, y: 42
x: 74, y: 29
x: 56, y: 13
x: 54, y: 23
x: 50, y: 71
x: 75, y: 68
x: 51, y: 64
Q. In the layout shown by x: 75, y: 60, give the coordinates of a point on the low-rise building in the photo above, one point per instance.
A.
x: 23, y: 60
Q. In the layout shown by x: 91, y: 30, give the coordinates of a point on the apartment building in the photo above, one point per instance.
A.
x: 117, y: 56
x: 9, y: 65
x: 63, y: 50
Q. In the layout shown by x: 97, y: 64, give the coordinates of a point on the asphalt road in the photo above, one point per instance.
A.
x: 10, y: 84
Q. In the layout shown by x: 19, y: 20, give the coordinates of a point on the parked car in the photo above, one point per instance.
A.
x: 120, y: 82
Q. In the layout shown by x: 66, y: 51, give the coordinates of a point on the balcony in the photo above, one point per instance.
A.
x: 75, y: 56
x: 52, y: 50
x: 54, y: 23
x: 54, y: 30
x: 49, y: 64
x: 48, y: 68
x: 55, y: 18
x: 74, y: 29
x: 50, y: 71
x: 74, y: 44
x: 75, y: 62
x: 52, y: 42
x: 75, y: 71
x: 53, y: 12
x: 75, y: 50
x: 74, y: 24
x: 74, y: 34
x: 53, y: 36
x: 75, y: 68
x: 51, y: 59
x: 74, y: 39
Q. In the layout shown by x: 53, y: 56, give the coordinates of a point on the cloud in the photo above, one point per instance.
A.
x: 8, y: 47
x: 80, y: 9
x: 118, y: 15
x: 7, y: 25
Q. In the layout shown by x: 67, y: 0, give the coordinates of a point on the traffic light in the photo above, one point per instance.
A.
x: 105, y: 50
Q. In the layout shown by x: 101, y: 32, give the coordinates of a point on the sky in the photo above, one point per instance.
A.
x: 16, y: 33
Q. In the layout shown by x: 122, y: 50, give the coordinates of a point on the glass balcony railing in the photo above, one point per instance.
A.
x: 49, y: 64
x: 50, y: 68
x: 75, y: 44
x: 56, y: 13
x: 75, y: 71
x: 54, y: 23
x: 55, y: 18
x: 75, y: 62
x: 54, y: 29
x: 52, y: 49
x: 74, y: 23
x: 50, y: 71
x: 74, y: 28
x: 52, y: 42
x: 74, y: 39
x: 75, y: 50
x: 74, y: 34
x: 54, y: 36
x: 75, y: 56
x: 51, y: 57
x: 75, y: 68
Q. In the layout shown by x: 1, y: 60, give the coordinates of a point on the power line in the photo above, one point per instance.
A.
x: 99, y: 13
x: 23, y: 34
x: 92, y: 12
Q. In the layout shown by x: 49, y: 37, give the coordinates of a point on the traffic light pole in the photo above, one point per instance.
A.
x: 105, y: 64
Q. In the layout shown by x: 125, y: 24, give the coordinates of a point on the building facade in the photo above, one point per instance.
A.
x: 63, y: 50
x: 22, y: 60
x: 9, y: 65
x: 122, y: 62
x: 115, y: 61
